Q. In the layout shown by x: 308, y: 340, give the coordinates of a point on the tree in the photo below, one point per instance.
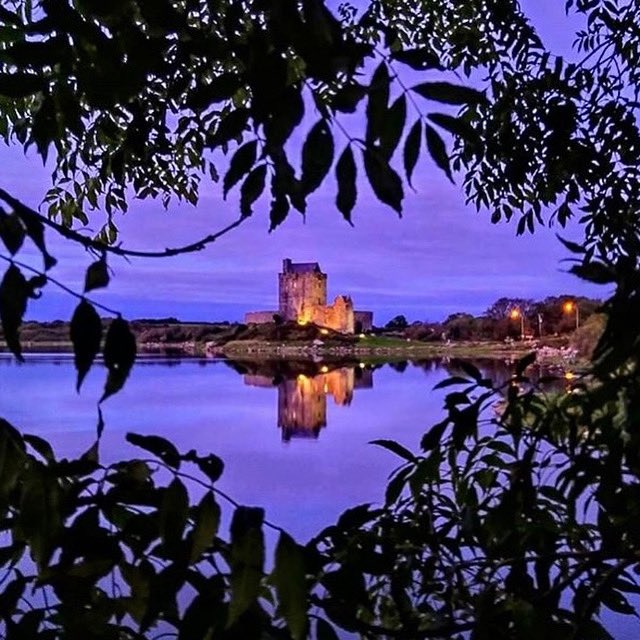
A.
x: 396, y: 323
x: 483, y: 530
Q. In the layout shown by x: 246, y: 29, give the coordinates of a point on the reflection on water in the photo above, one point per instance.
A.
x: 302, y: 399
x: 303, y: 386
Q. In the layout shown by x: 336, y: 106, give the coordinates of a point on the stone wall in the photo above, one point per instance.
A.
x: 300, y: 289
x: 363, y: 320
x: 259, y: 317
x: 338, y: 316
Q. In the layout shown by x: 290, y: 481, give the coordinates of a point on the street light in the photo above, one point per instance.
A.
x: 570, y: 307
x: 514, y: 314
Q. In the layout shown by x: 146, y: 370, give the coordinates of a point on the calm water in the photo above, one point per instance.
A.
x: 292, y: 442
x: 294, y: 438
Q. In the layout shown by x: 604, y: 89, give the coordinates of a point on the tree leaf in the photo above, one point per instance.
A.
x: 574, y: 247
x: 412, y: 149
x: 246, y: 560
x: 431, y: 438
x: 438, y: 150
x: 20, y: 85
x: 85, y: 332
x: 40, y: 446
x: 377, y: 103
x: 230, y: 128
x: 12, y: 458
x: 324, y: 630
x: 11, y: 231
x: 317, y: 156
x: 524, y: 362
x: 289, y: 577
x: 347, y: 99
x: 158, y: 446
x: 384, y: 181
x: 450, y: 382
x: 97, y: 275
x: 252, y: 188
x: 448, y: 93
x: 241, y: 162
x: 346, y: 174
x: 396, y: 485
x: 596, y: 272
x: 393, y: 126
x: 174, y: 510
x: 207, y: 521
x: 14, y: 293
x: 419, y: 59
x: 395, y: 447
x: 212, y: 466
x: 119, y: 356
x: 40, y: 514
x: 35, y: 230
x: 457, y: 126
x: 279, y: 210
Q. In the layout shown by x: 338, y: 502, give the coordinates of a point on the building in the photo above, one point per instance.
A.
x: 302, y: 298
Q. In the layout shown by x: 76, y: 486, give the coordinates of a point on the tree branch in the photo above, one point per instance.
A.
x: 88, y: 243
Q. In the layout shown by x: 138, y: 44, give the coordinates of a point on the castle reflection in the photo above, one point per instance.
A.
x: 302, y: 397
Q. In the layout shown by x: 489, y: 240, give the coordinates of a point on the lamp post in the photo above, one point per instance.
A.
x: 569, y: 307
x: 514, y: 314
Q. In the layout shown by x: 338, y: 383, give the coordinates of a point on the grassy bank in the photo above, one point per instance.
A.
x: 284, y: 341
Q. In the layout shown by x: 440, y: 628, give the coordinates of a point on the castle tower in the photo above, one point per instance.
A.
x: 302, y: 287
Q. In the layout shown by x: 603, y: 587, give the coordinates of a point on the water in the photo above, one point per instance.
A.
x: 300, y: 448
x: 294, y: 438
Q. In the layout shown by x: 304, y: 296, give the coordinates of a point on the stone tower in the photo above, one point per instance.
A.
x: 302, y: 287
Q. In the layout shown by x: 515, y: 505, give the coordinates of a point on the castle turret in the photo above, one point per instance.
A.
x: 302, y: 286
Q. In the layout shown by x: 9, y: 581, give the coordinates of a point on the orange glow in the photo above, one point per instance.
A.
x: 568, y: 375
x: 324, y: 369
x: 568, y: 306
x: 302, y: 321
x: 514, y: 314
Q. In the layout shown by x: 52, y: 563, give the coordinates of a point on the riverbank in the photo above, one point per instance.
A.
x: 381, y: 348
x: 292, y: 341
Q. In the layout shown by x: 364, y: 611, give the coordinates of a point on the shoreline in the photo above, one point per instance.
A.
x: 377, y: 350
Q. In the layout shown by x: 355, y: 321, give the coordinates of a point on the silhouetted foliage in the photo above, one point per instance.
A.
x: 511, y: 521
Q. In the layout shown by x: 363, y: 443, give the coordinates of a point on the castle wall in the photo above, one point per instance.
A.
x: 338, y: 316
x: 259, y: 317
x: 301, y: 289
x: 302, y: 297
x: 363, y: 320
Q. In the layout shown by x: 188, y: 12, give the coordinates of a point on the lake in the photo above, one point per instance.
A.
x: 299, y: 448
x: 294, y: 437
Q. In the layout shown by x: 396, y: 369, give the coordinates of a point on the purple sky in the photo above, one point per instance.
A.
x: 439, y: 258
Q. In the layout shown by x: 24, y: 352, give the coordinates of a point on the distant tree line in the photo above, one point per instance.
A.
x: 505, y: 318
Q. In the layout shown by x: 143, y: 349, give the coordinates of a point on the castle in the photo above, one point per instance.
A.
x: 303, y: 298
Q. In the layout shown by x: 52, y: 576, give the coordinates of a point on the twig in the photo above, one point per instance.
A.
x: 96, y: 245
x: 58, y: 284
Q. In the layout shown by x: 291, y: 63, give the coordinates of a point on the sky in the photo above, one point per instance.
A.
x: 440, y: 258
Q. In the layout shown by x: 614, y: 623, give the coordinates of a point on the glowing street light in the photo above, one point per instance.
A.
x: 514, y: 314
x: 570, y: 307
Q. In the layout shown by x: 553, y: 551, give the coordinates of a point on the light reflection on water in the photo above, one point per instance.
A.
x: 294, y: 437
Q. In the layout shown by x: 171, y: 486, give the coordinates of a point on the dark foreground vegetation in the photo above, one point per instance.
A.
x: 516, y: 524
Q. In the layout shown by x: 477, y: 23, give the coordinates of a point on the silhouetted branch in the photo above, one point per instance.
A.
x: 96, y: 245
